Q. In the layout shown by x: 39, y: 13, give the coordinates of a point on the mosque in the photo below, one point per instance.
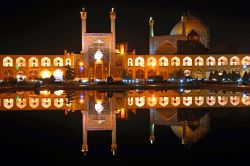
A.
x: 186, y: 48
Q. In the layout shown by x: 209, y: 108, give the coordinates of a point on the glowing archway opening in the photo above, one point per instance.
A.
x: 58, y: 74
x: 46, y: 74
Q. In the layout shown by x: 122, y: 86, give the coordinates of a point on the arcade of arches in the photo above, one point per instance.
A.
x: 197, y: 66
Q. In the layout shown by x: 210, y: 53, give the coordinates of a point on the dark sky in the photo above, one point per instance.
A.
x: 50, y: 26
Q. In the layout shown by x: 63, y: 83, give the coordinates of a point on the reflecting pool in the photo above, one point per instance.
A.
x: 70, y: 127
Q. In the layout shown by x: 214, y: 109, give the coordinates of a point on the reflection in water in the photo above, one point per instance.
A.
x: 187, y: 114
x: 189, y: 125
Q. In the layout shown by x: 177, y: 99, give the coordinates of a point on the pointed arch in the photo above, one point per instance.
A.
x: 246, y: 100
x: 130, y: 62
x: 187, y: 101
x: 222, y: 61
x: 163, y: 101
x: 187, y: 61
x: 46, y: 102
x: 211, y: 100
x: 33, y: 62
x: 210, y: 61
x: 234, y: 61
x: 58, y: 61
x: 199, y: 61
x: 58, y: 102
x: 130, y: 101
x: 175, y: 61
x: 8, y: 103
x: 175, y: 101
x: 152, y: 101
x: 21, y: 62
x: 222, y: 100
x: 140, y: 101
x: 7, y: 62
x: 246, y: 60
x: 45, y: 62
x: 139, y: 61
x: 199, y: 100
x: 235, y: 100
x: 163, y: 61
x: 151, y: 61
x: 21, y: 103
x: 68, y: 62
x: 33, y: 102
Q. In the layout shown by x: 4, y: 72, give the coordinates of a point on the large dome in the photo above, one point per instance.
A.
x: 193, y: 23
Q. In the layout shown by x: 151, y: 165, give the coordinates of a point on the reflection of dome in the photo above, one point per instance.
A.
x: 193, y: 23
x: 167, y: 115
x: 192, y: 133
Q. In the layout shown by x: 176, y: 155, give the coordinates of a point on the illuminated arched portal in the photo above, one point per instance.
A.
x: 98, y: 59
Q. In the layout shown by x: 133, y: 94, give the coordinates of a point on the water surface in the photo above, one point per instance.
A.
x: 198, y: 127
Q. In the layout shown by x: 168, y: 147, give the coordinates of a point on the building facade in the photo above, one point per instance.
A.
x: 101, y: 56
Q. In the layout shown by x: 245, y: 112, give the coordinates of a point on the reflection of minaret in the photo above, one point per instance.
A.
x: 114, y: 145
x: 184, y: 134
x: 152, y: 134
x: 85, y: 132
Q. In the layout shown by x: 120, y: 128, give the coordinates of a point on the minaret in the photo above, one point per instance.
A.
x: 84, y: 29
x: 151, y: 35
x: 152, y: 126
x: 84, y: 132
x: 184, y: 31
x: 112, y: 18
x: 151, y: 27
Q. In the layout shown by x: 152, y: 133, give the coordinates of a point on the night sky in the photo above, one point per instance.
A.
x: 50, y: 26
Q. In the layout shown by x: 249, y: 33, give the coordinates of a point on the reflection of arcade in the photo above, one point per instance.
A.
x: 98, y: 115
x: 189, y: 125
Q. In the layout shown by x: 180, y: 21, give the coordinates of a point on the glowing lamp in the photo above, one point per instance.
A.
x: 81, y: 68
x: 98, y: 55
x: 46, y: 74
x: 98, y: 108
x: 58, y: 92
